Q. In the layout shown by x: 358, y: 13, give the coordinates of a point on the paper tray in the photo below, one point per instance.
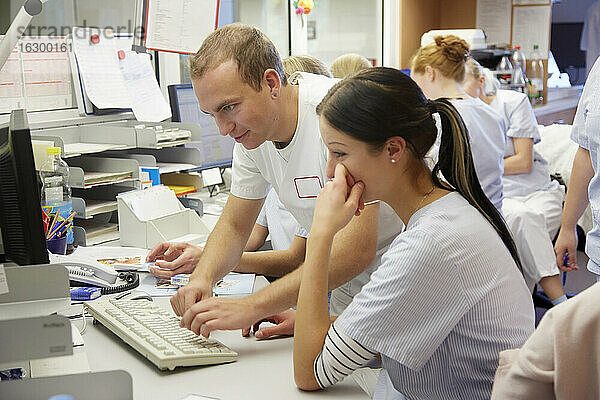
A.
x: 147, y: 234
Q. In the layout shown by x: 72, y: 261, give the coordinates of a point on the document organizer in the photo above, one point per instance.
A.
x: 179, y: 225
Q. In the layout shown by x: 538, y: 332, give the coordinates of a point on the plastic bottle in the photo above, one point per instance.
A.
x: 56, y: 192
x: 504, y: 72
x: 535, y: 77
x: 519, y: 63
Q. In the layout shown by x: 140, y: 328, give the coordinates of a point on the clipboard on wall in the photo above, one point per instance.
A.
x: 177, y: 26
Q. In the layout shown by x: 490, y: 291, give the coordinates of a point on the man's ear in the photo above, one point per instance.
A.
x: 394, y: 148
x: 272, y: 81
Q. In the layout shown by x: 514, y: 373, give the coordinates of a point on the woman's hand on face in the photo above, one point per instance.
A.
x: 339, y: 201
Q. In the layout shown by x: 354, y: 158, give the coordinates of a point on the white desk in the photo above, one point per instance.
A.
x: 264, y: 369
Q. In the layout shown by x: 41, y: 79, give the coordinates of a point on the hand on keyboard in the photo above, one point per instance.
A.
x: 219, y: 313
x: 155, y: 333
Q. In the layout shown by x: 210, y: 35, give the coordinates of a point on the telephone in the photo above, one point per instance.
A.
x: 86, y: 271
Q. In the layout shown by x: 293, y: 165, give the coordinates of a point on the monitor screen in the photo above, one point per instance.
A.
x: 21, y: 223
x: 217, y: 150
x: 564, y: 44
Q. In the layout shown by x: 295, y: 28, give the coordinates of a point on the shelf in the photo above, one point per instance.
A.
x: 87, y: 208
x: 92, y: 233
x: 80, y: 165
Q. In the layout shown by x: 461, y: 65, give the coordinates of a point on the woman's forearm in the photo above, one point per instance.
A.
x: 312, y: 316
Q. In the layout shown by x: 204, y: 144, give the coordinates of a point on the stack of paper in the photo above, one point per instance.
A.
x: 96, y: 178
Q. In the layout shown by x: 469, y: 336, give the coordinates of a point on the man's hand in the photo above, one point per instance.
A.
x: 284, y: 321
x: 566, y: 243
x: 173, y: 259
x: 218, y: 313
x: 196, y: 290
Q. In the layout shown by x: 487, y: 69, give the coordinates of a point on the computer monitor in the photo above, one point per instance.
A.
x: 564, y: 44
x: 21, y: 223
x: 217, y: 150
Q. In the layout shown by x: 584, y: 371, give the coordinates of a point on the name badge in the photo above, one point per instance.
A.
x: 308, y: 187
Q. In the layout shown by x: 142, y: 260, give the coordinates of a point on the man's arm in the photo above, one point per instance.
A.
x: 522, y: 161
x: 575, y: 203
x: 274, y: 262
x: 257, y: 238
x: 221, y: 253
x: 353, y: 251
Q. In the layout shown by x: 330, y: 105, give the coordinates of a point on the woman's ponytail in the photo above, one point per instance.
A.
x: 455, y: 162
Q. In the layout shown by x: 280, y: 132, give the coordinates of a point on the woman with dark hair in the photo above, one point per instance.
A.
x: 448, y: 296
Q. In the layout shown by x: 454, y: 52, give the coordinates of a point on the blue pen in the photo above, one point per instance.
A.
x: 565, y: 264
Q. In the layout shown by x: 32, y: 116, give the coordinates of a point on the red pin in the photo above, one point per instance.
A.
x: 95, y: 38
x: 121, y: 54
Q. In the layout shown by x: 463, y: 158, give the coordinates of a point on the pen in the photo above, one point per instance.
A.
x: 565, y: 264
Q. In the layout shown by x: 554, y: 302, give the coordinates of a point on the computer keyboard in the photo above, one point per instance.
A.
x: 155, y: 333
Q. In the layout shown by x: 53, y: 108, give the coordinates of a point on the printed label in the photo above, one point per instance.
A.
x: 308, y: 187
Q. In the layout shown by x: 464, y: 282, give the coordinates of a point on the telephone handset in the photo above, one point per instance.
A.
x: 86, y: 270
x: 90, y: 274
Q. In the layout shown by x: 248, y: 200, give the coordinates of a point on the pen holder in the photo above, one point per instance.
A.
x: 57, y: 245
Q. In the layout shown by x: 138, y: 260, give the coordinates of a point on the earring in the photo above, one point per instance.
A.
x: 274, y: 94
x: 393, y: 161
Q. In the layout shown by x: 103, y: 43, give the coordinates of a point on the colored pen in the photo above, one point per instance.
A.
x: 565, y: 264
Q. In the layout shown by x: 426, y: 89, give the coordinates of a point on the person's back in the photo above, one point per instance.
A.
x: 451, y: 258
x: 488, y: 140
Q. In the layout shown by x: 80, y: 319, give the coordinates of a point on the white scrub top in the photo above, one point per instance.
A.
x: 487, y: 134
x: 279, y: 221
x: 586, y: 133
x: 298, y: 172
x: 520, y: 121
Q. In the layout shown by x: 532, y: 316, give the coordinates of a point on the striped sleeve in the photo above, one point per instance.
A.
x: 340, y: 356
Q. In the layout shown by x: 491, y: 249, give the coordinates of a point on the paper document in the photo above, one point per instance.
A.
x: 99, y: 68
x: 155, y: 202
x: 94, y: 178
x: 148, y: 103
x: 531, y: 25
x: 157, y: 287
x: 93, y: 207
x: 84, y: 148
x: 231, y: 284
x: 37, y: 75
x: 179, y: 25
x: 493, y: 17
x: 126, y: 258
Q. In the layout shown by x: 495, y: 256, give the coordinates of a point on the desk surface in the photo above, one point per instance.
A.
x: 264, y: 369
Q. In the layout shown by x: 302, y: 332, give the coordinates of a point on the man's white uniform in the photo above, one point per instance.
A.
x: 298, y: 172
x: 281, y: 224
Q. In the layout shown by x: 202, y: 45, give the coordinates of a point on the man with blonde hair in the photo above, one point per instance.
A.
x: 239, y: 80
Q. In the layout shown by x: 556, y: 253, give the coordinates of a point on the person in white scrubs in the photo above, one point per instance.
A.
x: 590, y: 35
x: 239, y: 80
x: 439, y: 70
x: 532, y: 202
x: 584, y: 184
x: 274, y: 219
x: 560, y: 360
x: 448, y: 295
